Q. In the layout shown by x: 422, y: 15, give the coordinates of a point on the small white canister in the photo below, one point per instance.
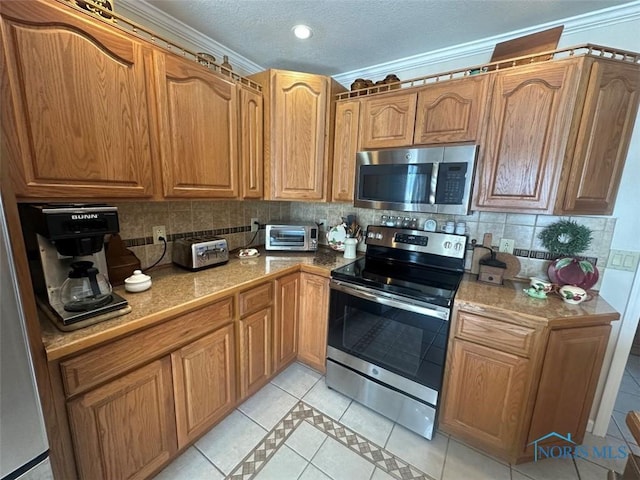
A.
x: 350, y: 247
x: 138, y: 282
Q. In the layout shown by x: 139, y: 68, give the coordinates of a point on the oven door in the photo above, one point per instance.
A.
x: 395, y: 341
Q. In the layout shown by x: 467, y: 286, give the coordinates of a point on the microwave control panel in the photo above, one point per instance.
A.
x: 451, y: 183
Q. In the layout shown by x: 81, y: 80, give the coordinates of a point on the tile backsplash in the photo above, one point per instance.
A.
x: 231, y: 219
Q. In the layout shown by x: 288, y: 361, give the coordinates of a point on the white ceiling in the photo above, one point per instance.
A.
x: 354, y: 34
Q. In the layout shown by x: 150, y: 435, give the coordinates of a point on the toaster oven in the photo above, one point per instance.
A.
x: 300, y: 237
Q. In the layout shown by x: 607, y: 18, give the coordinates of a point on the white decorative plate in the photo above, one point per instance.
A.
x: 336, y: 237
x: 248, y: 253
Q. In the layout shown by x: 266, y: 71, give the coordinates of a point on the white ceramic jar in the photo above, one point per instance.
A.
x: 138, y: 282
x: 350, y: 247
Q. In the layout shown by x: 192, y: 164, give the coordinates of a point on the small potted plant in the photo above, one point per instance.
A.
x: 567, y: 239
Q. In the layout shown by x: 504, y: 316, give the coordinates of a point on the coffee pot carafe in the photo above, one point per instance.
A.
x: 85, y: 289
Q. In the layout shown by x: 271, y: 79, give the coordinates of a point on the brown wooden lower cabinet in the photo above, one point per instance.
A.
x: 126, y: 428
x: 501, y: 399
x: 131, y: 410
x: 255, y: 351
x: 285, y: 334
x: 204, y: 383
x: 312, y: 328
x: 486, y: 393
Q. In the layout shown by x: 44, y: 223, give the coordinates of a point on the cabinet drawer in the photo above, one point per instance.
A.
x: 253, y: 300
x: 495, y: 333
x: 116, y: 358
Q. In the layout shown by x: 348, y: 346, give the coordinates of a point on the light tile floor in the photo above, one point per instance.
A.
x: 297, y: 428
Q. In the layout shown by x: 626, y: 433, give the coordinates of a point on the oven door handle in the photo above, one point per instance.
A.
x: 384, y: 299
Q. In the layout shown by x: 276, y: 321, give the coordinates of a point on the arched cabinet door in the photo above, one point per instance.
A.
x: 75, y: 112
x: 522, y: 152
x: 604, y: 134
x: 388, y: 120
x: 198, y: 131
x: 451, y: 111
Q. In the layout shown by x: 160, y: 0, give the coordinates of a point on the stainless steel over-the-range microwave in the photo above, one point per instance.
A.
x: 429, y: 179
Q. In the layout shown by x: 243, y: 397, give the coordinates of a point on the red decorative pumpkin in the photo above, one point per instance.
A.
x: 573, y: 271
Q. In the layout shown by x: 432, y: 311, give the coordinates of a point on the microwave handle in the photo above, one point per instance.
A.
x: 383, y: 299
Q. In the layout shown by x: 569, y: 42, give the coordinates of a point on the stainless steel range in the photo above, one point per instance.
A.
x: 389, y: 323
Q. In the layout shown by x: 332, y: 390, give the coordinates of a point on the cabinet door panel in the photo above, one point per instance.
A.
x: 603, y: 138
x: 198, y: 133
x: 204, y: 383
x: 314, y: 316
x: 125, y: 429
x: 77, y: 102
x: 526, y: 135
x: 485, y: 394
x: 285, y: 344
x: 300, y: 106
x: 344, y: 150
x: 388, y: 120
x: 251, y: 143
x: 255, y: 351
x: 451, y: 111
x: 565, y: 394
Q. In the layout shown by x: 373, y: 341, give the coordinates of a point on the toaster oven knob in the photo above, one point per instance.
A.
x: 447, y: 245
x: 458, y: 246
x: 378, y: 236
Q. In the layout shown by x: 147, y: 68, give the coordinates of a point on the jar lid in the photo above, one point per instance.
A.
x: 137, y: 277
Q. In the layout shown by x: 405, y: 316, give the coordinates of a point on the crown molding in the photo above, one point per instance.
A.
x: 185, y: 33
x: 608, y: 16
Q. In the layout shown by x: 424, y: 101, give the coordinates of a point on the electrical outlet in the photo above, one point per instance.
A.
x: 255, y: 224
x: 159, y: 231
x: 506, y: 245
x: 323, y: 224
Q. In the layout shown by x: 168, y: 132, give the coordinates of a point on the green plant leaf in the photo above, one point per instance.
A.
x: 563, y: 262
x: 586, y: 266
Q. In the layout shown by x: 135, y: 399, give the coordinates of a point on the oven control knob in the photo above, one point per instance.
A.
x: 378, y: 236
x: 371, y: 235
x: 447, y: 245
x: 458, y: 247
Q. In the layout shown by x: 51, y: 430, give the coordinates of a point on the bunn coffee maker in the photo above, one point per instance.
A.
x: 65, y: 246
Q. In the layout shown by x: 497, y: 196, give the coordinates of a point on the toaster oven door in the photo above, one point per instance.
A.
x: 286, y: 238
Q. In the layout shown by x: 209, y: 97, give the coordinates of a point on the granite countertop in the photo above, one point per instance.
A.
x: 551, y: 310
x: 176, y: 291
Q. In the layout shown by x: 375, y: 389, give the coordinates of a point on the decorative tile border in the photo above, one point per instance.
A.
x: 301, y: 412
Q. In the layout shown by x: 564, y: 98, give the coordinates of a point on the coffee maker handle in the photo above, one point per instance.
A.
x: 93, y: 281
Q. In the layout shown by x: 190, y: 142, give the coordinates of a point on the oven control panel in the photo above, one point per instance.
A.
x: 444, y: 244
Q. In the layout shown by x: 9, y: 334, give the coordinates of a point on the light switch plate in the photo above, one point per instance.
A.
x: 625, y: 260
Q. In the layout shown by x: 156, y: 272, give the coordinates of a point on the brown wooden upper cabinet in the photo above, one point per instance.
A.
x: 251, y: 143
x: 197, y: 134
x: 451, y: 111
x: 75, y: 116
x: 526, y: 135
x: 557, y: 137
x: 604, y: 125
x: 345, y: 147
x: 298, y: 128
x: 388, y: 120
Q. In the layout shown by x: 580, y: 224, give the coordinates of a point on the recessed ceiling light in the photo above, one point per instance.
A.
x: 302, y: 31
